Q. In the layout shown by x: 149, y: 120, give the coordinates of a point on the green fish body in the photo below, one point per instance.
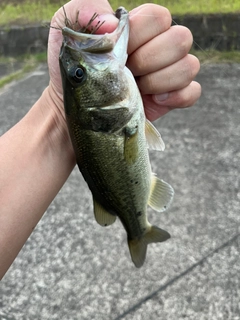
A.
x: 110, y: 134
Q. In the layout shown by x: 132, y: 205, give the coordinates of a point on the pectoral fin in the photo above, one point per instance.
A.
x: 138, y: 247
x: 153, y: 137
x: 131, y: 149
x: 161, y: 194
x: 103, y: 217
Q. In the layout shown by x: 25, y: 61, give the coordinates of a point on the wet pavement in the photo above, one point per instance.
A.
x: 71, y: 268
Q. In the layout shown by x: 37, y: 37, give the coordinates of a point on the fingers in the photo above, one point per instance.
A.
x: 146, y: 22
x: 157, y: 105
x: 86, y: 9
x: 161, y: 51
x: 158, y: 53
x: 81, y: 12
x: 159, y: 59
x: 171, y: 87
x: 173, y: 77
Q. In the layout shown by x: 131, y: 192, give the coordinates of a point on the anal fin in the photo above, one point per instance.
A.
x: 103, y: 217
x: 161, y: 194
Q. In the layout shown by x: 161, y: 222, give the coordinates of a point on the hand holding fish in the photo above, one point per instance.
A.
x: 158, y: 58
x: 158, y: 54
x: 109, y: 131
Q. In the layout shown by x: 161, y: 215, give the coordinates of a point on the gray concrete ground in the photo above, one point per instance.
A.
x: 71, y: 268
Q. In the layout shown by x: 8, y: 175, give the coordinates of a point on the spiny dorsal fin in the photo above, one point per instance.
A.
x: 161, y: 194
x: 153, y: 137
x: 138, y: 247
x: 103, y: 217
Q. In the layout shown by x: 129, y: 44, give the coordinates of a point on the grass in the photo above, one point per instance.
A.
x: 27, y: 11
x: 28, y: 63
x: 214, y: 56
x: 180, y: 7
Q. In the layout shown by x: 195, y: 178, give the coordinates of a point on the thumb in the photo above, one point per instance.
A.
x: 81, y: 11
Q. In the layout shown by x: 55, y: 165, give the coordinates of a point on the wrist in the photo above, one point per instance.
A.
x: 51, y: 102
x: 52, y: 109
x: 52, y: 135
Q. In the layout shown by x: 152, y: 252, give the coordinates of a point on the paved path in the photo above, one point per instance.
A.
x: 71, y: 268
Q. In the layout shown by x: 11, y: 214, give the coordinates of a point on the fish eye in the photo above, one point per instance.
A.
x: 79, y: 75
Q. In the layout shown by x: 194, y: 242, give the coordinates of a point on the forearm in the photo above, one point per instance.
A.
x: 36, y: 159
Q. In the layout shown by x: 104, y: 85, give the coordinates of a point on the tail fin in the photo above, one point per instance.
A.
x: 138, y: 247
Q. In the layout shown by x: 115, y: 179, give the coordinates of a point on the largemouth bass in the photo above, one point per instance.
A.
x: 110, y: 134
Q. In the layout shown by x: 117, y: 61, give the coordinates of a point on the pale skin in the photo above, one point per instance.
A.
x: 38, y: 155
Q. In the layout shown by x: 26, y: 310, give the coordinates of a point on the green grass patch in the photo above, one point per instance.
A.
x: 13, y: 76
x: 28, y: 63
x: 26, y: 11
x: 26, y: 58
x: 181, y: 7
x: 214, y: 56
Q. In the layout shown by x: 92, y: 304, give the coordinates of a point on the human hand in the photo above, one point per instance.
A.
x: 159, y: 59
x: 86, y: 9
x: 158, y: 54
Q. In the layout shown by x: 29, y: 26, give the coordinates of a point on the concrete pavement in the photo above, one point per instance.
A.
x: 71, y: 268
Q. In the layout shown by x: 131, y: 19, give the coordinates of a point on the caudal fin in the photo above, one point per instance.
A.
x: 138, y: 247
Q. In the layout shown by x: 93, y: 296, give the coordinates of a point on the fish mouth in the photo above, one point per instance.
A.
x: 115, y: 42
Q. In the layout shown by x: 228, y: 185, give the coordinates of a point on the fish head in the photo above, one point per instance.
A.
x: 93, y: 67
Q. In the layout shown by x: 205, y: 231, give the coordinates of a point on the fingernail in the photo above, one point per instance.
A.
x: 160, y: 98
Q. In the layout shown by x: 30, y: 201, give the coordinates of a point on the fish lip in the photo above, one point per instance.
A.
x: 87, y: 43
x: 96, y: 43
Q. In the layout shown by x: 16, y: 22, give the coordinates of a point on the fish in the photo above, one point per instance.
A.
x: 110, y: 133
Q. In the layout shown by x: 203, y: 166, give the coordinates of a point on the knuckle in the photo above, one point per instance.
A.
x: 192, y: 94
x: 146, y: 84
x: 184, y: 38
x: 165, y: 18
x: 194, y: 65
x: 160, y: 16
x: 137, y: 62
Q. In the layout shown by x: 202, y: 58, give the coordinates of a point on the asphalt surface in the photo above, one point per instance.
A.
x: 71, y: 268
